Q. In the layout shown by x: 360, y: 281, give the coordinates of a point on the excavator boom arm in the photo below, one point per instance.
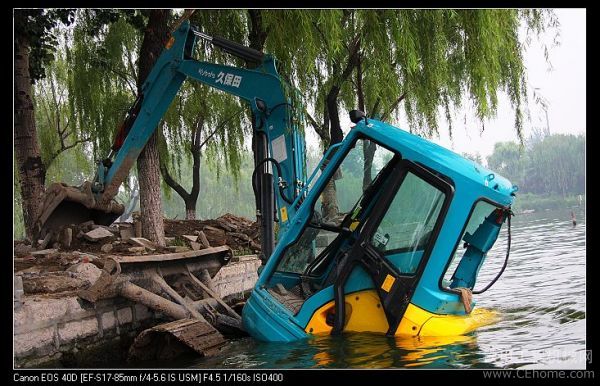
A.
x: 282, y: 144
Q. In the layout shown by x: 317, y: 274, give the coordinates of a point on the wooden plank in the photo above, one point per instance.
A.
x: 212, y: 294
x: 170, y: 256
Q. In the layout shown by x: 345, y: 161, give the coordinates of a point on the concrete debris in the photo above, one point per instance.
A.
x: 190, y: 238
x: 97, y: 234
x: 45, y: 252
x: 106, y: 248
x: 86, y: 225
x: 87, y: 271
x: 241, y: 234
x: 22, y: 250
x: 112, y: 229
x: 137, y: 250
x: 195, y: 246
x: 86, y: 257
x: 140, y: 241
x: 203, y: 239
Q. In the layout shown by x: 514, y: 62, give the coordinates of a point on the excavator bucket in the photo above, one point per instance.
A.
x: 63, y: 205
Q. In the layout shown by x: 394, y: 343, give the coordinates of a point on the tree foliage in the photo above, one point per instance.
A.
x: 38, y: 27
x: 425, y: 63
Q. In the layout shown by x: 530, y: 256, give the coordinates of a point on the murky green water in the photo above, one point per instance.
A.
x: 541, y: 298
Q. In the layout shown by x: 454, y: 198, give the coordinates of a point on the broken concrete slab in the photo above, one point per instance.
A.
x: 87, y: 271
x: 203, y: 239
x: 190, y: 238
x: 106, y: 248
x: 195, y: 246
x: 44, y: 252
x: 140, y: 241
x: 111, y: 229
x: 97, y: 234
x: 137, y: 250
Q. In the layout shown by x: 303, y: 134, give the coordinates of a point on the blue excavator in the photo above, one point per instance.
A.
x: 387, y: 235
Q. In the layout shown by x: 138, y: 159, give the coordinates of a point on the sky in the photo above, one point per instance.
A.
x: 563, y: 86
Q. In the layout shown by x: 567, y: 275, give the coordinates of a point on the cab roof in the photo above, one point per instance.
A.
x: 447, y: 162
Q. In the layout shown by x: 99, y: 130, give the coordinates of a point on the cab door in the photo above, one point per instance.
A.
x: 396, y: 240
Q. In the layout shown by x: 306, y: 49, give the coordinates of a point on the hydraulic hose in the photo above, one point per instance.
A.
x: 279, y: 173
x: 503, y: 266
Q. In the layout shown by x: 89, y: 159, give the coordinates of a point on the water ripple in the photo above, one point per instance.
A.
x: 541, y: 298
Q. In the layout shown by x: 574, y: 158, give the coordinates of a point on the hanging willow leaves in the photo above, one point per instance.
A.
x: 425, y: 63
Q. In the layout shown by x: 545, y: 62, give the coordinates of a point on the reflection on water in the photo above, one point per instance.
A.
x: 540, y: 297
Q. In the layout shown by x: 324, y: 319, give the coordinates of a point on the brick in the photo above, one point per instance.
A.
x: 78, y: 329
x: 108, y: 320
x: 36, y: 310
x: 142, y: 312
x: 124, y: 316
x: 24, y: 343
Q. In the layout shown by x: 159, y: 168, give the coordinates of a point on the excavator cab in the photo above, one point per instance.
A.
x: 374, y: 237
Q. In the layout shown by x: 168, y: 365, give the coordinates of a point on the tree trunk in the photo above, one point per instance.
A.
x: 329, y: 204
x: 148, y: 164
x: 368, y: 146
x: 31, y: 170
x: 190, y: 210
x: 190, y: 199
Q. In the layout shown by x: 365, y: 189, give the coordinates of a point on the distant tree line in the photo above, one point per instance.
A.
x: 544, y: 165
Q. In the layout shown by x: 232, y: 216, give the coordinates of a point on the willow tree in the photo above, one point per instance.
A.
x: 202, y: 119
x: 425, y: 62
x: 34, y: 44
x: 113, y: 52
x: 62, y: 141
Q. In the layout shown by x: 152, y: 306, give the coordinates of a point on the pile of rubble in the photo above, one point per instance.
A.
x: 54, y: 264
x: 239, y: 233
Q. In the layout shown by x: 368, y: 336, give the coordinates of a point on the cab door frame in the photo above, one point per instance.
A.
x: 394, y: 288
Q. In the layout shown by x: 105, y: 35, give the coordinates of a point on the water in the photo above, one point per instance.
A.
x: 541, y: 298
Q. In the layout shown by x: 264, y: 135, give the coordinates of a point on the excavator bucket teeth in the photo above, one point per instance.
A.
x: 63, y: 205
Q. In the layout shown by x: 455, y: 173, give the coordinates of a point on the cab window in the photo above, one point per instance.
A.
x: 407, y: 227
